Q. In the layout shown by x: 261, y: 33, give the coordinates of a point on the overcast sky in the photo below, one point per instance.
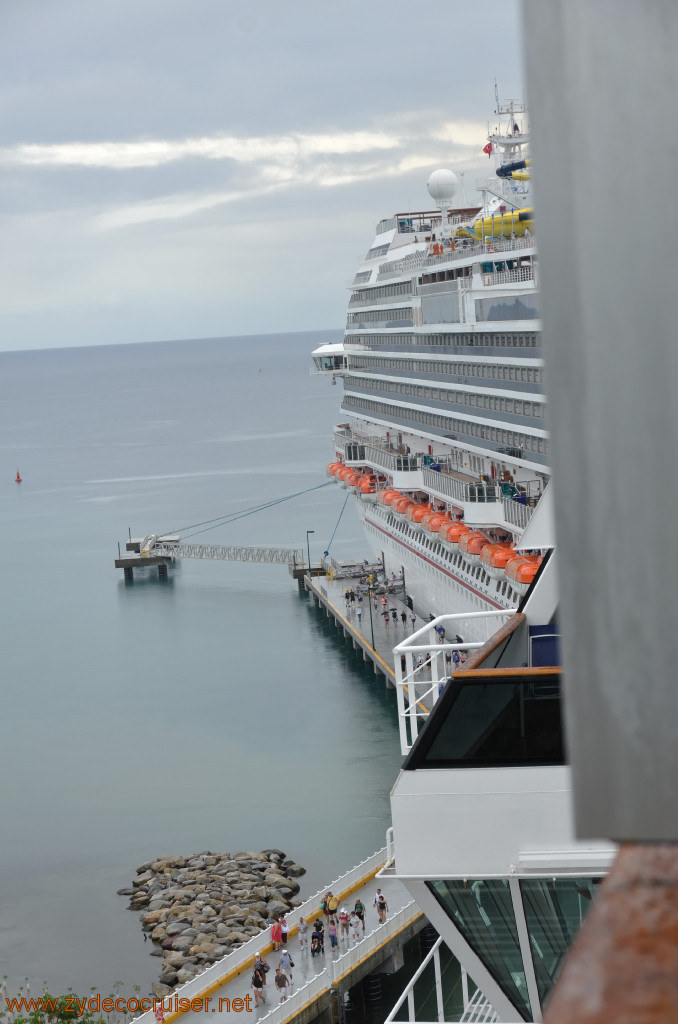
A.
x: 203, y: 168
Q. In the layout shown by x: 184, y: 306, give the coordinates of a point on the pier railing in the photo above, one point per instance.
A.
x: 343, y: 965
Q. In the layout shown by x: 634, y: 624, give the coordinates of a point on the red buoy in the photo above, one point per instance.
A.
x: 17, y: 478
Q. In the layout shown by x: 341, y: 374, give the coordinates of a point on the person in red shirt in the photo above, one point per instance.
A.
x: 276, y: 934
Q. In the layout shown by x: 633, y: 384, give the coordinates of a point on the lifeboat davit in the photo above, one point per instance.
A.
x: 471, y: 544
x: 450, y: 533
x: 415, y: 514
x: 399, y: 507
x: 495, y: 557
x: 521, y: 570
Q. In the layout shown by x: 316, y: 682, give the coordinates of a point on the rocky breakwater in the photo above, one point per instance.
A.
x: 197, y: 909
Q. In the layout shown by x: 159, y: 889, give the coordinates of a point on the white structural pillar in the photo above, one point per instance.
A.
x: 602, y: 90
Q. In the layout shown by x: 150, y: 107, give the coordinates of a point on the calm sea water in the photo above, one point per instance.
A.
x: 214, y: 710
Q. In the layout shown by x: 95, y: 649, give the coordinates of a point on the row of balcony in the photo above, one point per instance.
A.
x: 413, y: 471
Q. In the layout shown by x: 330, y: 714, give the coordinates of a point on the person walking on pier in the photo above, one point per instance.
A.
x: 343, y: 921
x: 283, y: 930
x: 286, y: 965
x: 302, y: 929
x: 261, y: 966
x: 257, y: 986
x: 332, y: 932
x: 359, y: 613
x: 359, y: 911
x: 413, y: 619
x: 276, y: 934
x: 354, y: 924
x: 317, y: 939
x: 403, y: 616
x: 332, y: 905
x: 382, y: 907
x: 281, y: 983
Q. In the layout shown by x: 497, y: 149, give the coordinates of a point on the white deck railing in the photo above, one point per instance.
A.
x: 418, y: 687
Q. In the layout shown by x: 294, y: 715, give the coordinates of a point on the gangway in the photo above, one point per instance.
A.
x: 162, y: 550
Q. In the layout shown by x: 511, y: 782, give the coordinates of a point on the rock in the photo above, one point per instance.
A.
x: 185, y: 974
x: 295, y: 871
x: 174, y: 960
x: 183, y: 942
x: 236, y: 937
x: 176, y: 927
x: 160, y: 990
x: 273, y: 853
x: 168, y: 943
x: 151, y: 917
x: 155, y: 952
x: 275, y: 908
x: 159, y: 933
x: 202, y: 947
x: 145, y: 866
x: 125, y: 892
x: 145, y: 876
x: 168, y: 978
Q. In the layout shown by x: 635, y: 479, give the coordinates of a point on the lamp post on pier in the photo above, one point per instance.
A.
x: 308, y: 551
x: 369, y: 603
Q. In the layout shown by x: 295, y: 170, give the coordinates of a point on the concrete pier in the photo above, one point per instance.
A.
x: 371, y: 632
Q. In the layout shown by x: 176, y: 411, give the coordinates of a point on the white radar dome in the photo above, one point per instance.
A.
x: 442, y: 185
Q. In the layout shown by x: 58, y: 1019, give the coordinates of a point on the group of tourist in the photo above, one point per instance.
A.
x: 341, y: 924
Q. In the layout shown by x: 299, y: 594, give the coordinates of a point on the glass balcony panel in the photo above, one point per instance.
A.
x: 483, y: 912
x: 554, y: 911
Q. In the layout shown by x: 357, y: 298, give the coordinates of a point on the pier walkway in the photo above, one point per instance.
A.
x: 317, y: 980
x: 371, y: 632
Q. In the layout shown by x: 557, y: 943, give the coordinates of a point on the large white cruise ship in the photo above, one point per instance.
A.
x: 444, y: 442
x: 446, y: 450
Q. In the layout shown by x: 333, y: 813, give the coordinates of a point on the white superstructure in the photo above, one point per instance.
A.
x: 443, y: 386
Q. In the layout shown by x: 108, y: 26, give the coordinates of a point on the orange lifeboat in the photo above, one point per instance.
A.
x: 334, y: 468
x: 399, y: 506
x: 494, y: 558
x: 471, y: 544
x: 451, y: 532
x: 390, y: 498
x: 342, y: 474
x: 415, y: 514
x: 367, y: 489
x: 434, y: 523
x: 352, y: 480
x: 521, y: 570
x: 384, y: 495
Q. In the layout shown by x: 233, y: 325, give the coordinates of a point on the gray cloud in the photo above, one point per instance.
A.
x: 192, y: 167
